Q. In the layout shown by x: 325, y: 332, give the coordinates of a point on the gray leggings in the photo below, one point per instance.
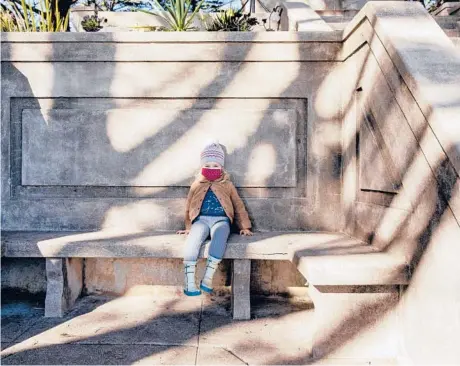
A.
x: 217, y: 226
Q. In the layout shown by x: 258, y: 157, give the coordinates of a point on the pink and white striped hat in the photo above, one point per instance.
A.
x: 212, y: 152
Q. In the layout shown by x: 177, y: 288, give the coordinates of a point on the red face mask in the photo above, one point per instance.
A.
x: 211, y: 174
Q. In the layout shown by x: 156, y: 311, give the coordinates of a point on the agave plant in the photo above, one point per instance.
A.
x: 230, y: 20
x: 15, y: 20
x: 176, y: 13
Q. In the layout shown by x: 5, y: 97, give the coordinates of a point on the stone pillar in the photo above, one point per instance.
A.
x: 355, y: 321
x: 241, y: 280
x: 64, y: 278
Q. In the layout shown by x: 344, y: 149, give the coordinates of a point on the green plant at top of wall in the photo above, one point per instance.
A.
x: 229, y: 20
x: 22, y: 18
x: 176, y: 13
x: 91, y: 23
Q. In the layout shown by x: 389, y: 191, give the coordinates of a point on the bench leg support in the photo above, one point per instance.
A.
x: 64, y: 277
x: 241, y: 280
x: 355, y: 321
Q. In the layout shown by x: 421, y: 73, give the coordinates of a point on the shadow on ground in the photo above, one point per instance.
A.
x: 142, y: 328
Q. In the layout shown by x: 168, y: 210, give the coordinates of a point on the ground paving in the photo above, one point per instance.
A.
x: 145, y: 328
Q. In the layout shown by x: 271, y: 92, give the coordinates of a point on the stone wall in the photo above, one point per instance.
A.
x: 103, y: 131
x: 107, y: 134
x: 401, y: 167
x: 384, y: 96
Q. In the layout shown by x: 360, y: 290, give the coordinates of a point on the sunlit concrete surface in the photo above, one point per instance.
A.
x: 358, y: 131
x: 143, y: 328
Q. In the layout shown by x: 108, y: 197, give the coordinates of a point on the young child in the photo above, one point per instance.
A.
x: 212, y: 205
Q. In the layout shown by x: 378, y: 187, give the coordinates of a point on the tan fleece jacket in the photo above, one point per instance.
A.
x: 227, y: 195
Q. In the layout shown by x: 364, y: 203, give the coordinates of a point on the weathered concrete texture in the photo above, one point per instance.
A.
x: 140, y: 317
x: 417, y: 87
x: 71, y: 354
x: 279, y: 332
x: 168, y: 328
x: 314, y: 50
x: 241, y: 280
x: 299, y: 16
x: 113, y: 136
x: 276, y: 245
x: 406, y: 72
x: 150, y: 214
x: 64, y: 284
x: 118, y: 275
x: 27, y: 274
x: 14, y: 326
x: 231, y: 84
x: 421, y: 70
x: 275, y: 277
x: 374, y: 166
x: 355, y: 321
x: 170, y: 37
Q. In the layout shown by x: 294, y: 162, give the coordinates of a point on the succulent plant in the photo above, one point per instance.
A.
x: 92, y: 23
x: 230, y: 20
x: 176, y: 13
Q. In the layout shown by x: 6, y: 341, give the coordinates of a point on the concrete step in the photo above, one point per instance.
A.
x: 337, y: 22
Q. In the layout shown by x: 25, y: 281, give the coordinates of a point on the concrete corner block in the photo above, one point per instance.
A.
x: 241, y: 280
x: 64, y: 284
x: 299, y: 16
x: 355, y: 321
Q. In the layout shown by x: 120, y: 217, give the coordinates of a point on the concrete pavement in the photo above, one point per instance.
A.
x: 145, y: 328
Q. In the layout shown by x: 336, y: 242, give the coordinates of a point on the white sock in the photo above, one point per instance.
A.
x: 211, y: 266
x: 189, y: 269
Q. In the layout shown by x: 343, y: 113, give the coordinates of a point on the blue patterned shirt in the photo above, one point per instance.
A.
x: 211, y: 205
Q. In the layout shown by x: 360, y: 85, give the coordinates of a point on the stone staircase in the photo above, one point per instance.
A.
x: 339, y: 20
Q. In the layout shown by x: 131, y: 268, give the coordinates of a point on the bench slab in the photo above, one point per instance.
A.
x: 109, y: 244
x: 324, y: 259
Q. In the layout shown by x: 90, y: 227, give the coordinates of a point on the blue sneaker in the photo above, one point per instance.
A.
x: 204, y: 288
x: 192, y: 293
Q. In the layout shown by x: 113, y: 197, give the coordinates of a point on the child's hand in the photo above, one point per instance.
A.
x: 186, y: 232
x: 246, y: 232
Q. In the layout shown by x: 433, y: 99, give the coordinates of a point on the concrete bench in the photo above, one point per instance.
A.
x: 325, y: 259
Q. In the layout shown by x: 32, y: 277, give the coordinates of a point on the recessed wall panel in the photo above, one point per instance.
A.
x: 155, y: 146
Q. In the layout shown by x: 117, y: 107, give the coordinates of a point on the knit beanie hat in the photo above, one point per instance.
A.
x: 212, y: 152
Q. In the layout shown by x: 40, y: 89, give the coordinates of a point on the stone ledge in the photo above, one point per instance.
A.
x: 110, y: 244
x: 423, y: 59
x: 323, y: 258
x: 173, y: 37
x: 341, y: 260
